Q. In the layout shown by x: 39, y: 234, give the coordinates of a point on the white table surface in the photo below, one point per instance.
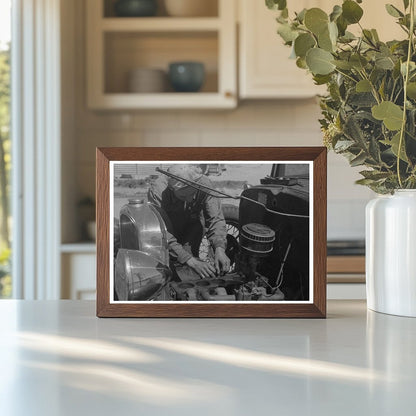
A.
x: 57, y: 358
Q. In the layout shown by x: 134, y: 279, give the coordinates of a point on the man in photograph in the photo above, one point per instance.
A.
x: 189, y: 213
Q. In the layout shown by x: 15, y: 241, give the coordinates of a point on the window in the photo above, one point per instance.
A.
x: 5, y: 145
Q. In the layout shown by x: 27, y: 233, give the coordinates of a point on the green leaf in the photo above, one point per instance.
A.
x: 396, y: 70
x: 363, y: 86
x: 287, y: 33
x: 347, y: 37
x: 321, y: 79
x: 353, y: 131
x: 336, y: 12
x: 276, y: 4
x: 368, y: 36
x: 365, y: 182
x: 333, y: 32
x: 358, y: 160
x: 303, y: 43
x: 374, y: 150
x: 342, y: 25
x: 325, y: 42
x: 374, y: 174
x: 344, y: 65
x: 343, y: 145
x: 375, y: 35
x: 412, y: 67
x: 301, y: 15
x: 411, y: 90
x: 382, y: 89
x: 394, y: 143
x: 388, y: 112
x: 351, y: 11
x: 282, y: 20
x: 405, y: 21
x: 319, y: 61
x: 406, y: 4
x: 301, y: 63
x: 362, y: 99
x: 393, y: 11
x: 316, y: 20
x: 384, y: 62
x: 358, y: 61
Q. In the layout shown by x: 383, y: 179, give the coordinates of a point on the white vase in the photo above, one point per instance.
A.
x: 391, y: 253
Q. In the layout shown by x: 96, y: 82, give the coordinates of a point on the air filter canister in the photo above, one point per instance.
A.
x: 257, y: 239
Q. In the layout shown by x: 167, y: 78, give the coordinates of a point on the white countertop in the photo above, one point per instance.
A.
x: 57, y: 358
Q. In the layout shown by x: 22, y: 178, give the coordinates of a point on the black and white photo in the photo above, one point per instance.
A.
x: 211, y: 232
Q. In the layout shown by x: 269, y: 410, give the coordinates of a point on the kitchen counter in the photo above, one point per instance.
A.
x: 57, y: 358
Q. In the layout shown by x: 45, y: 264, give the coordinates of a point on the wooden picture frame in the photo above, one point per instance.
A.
x: 311, y: 305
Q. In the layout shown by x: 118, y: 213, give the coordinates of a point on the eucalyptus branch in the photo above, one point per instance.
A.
x: 392, y: 91
x: 373, y: 88
x: 398, y: 95
x: 406, y: 80
x: 346, y: 75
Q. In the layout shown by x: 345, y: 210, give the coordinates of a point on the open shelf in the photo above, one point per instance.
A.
x: 127, y: 51
x: 119, y: 45
x: 87, y: 247
x: 160, y: 24
x: 210, y: 7
x: 168, y: 100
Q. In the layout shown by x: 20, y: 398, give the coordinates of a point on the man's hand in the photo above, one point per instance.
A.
x: 204, y: 269
x: 222, y: 262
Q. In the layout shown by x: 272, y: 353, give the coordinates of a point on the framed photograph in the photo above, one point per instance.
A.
x: 211, y: 232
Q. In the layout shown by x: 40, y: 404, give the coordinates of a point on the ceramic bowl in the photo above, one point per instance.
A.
x: 135, y: 8
x: 186, y: 76
x: 147, y: 80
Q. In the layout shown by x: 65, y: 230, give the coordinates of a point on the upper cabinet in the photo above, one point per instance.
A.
x: 129, y: 59
x: 265, y: 68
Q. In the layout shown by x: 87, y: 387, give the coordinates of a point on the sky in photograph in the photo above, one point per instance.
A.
x: 4, y: 22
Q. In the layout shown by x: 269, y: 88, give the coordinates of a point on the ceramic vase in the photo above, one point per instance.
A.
x: 391, y: 253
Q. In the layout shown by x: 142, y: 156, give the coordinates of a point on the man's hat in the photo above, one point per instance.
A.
x: 187, y: 172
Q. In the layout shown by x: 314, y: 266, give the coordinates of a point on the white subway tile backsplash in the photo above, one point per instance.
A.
x: 230, y: 138
x: 280, y: 137
x: 96, y: 120
x: 202, y: 120
x: 146, y: 120
x: 346, y: 219
x: 170, y: 138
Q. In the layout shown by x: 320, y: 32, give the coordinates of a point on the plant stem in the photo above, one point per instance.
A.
x: 373, y: 88
x: 406, y: 80
x: 346, y: 75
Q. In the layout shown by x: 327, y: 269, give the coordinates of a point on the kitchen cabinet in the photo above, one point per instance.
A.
x: 118, y: 45
x: 78, y: 264
x: 346, y: 277
x: 265, y: 70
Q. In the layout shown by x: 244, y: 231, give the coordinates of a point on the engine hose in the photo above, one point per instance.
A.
x: 279, y: 279
x: 221, y: 194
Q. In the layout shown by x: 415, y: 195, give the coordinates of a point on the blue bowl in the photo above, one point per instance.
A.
x: 135, y: 8
x: 187, y: 76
